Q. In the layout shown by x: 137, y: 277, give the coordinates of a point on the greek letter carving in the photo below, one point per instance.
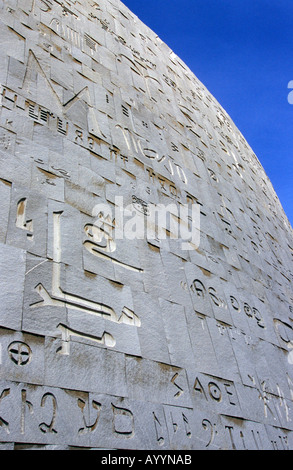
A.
x: 215, y: 391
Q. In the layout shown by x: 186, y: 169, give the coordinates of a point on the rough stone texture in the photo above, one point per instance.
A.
x: 135, y: 344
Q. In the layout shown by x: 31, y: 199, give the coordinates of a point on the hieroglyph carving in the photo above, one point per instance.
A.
x: 60, y: 298
x: 146, y: 261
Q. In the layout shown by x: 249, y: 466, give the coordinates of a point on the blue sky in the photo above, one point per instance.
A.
x: 242, y: 51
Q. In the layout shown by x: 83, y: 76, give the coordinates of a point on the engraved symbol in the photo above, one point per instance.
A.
x: 160, y: 439
x: 32, y: 112
x: 227, y: 227
x: 101, y: 230
x: 183, y: 284
x: 74, y: 302
x: 47, y: 5
x: 62, y: 126
x: 247, y: 309
x: 101, y: 240
x: 24, y: 403
x: 21, y: 221
x: 88, y: 428
x: 206, y: 424
x: 123, y: 422
x: 60, y: 298
x: 258, y: 317
x: 216, y: 300
x: 201, y: 155
x: 78, y: 137
x: 67, y: 109
x: 255, y: 440
x: 186, y: 427
x: 176, y: 426
x: 90, y: 42
x: 212, y: 174
x: 180, y: 390
x: 20, y: 353
x: 125, y: 111
x: 235, y: 303
x: 174, y: 147
x: 199, y: 388
x: 62, y: 172
x: 140, y: 205
x: 66, y: 334
x: 49, y: 427
x: 215, y: 391
x: 4, y: 423
x: 198, y: 287
x: 266, y: 398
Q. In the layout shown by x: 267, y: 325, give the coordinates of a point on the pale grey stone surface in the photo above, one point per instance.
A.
x: 12, y: 276
x: 108, y: 342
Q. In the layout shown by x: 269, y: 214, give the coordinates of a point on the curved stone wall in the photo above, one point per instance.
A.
x: 146, y: 261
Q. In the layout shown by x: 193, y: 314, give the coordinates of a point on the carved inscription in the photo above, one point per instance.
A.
x: 21, y: 221
x: 199, y: 289
x: 30, y: 407
x: 92, y: 143
x: 41, y: 416
x: 61, y: 298
x: 88, y: 427
x: 44, y: 427
x: 20, y: 353
x: 116, y: 339
x: 215, y: 390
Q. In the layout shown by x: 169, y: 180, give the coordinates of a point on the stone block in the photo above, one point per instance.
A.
x: 112, y: 334
x: 12, y: 279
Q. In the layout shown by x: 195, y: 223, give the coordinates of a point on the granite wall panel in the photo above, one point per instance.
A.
x: 145, y: 259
